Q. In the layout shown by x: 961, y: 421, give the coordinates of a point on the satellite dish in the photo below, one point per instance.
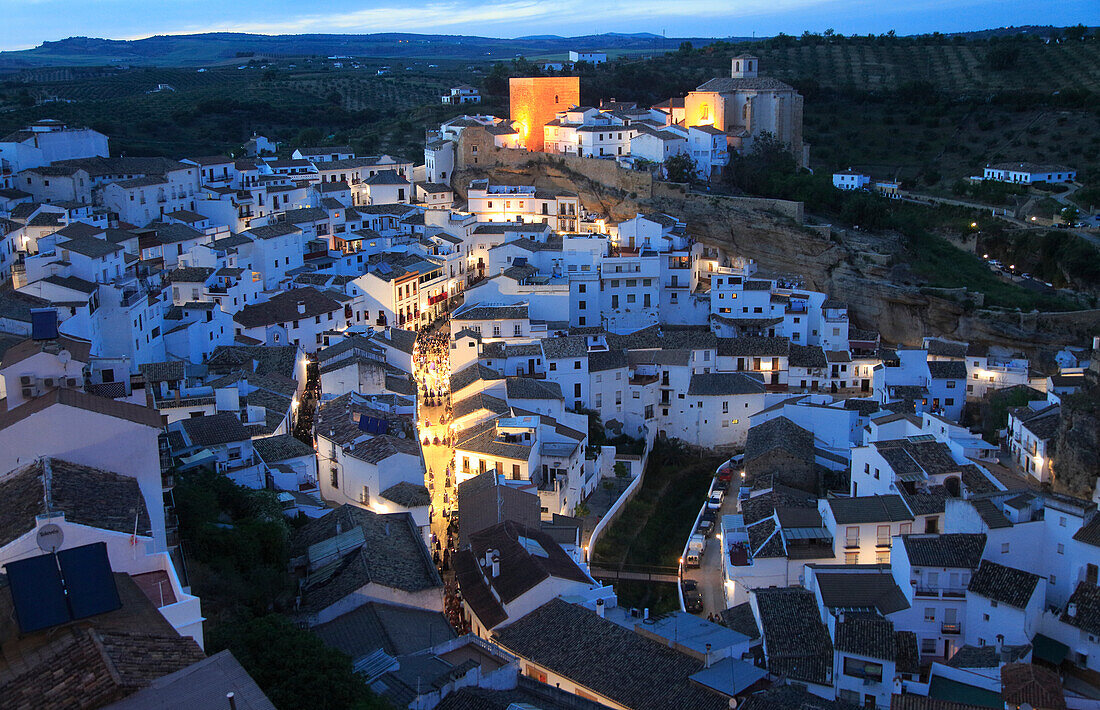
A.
x: 64, y: 357
x: 50, y: 537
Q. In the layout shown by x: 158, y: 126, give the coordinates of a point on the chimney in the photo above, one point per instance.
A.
x: 496, y: 566
x: 599, y: 608
x: 232, y: 698
x: 301, y: 307
x: 645, y: 612
x: 1071, y: 609
x: 706, y: 657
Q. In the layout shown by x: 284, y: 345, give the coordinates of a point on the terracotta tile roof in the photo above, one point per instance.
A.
x: 797, y: 643
x: 1026, y: 683
x: 86, y: 495
x: 1007, y: 585
x: 632, y: 670
x: 90, y: 668
x: 81, y: 400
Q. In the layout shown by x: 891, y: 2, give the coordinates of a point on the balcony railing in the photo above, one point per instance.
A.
x: 936, y: 592
x: 951, y: 628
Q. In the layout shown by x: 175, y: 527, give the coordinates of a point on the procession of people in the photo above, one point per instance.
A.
x: 432, y: 370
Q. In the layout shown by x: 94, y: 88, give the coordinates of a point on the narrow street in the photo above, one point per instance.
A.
x: 709, y: 575
x: 432, y: 373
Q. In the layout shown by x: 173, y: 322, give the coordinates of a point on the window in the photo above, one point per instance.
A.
x: 928, y: 646
x: 515, y: 472
x: 851, y: 536
x: 929, y: 614
x: 1004, y: 548
x: 851, y: 558
x: 576, y: 364
x: 334, y: 478
x: 1061, y: 549
x: 857, y: 668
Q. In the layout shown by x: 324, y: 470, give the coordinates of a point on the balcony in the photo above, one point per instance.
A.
x: 937, y: 592
x: 951, y: 628
x: 838, y: 318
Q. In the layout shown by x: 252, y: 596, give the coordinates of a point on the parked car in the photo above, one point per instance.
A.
x: 693, y: 601
x: 715, y: 500
x: 689, y: 585
x: 706, y: 523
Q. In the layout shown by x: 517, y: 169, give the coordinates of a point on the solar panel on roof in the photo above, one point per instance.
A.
x: 89, y: 581
x: 37, y: 592
x: 48, y: 590
x: 43, y: 324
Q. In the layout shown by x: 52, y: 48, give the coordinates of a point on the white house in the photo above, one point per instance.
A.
x: 590, y: 57
x: 933, y: 571
x: 1003, y: 605
x: 462, y: 94
x: 510, y: 570
x: 1028, y: 173
x: 851, y: 180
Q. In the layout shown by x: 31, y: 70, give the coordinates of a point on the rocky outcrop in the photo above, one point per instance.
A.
x: 851, y: 266
x: 1077, y: 446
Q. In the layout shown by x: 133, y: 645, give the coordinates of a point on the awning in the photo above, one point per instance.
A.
x: 1044, y: 648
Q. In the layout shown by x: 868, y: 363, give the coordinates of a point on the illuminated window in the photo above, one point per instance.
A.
x: 704, y: 112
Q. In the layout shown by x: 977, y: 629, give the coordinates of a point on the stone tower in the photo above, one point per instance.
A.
x: 745, y: 66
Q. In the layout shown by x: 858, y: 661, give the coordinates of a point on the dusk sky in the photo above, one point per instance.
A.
x: 27, y: 23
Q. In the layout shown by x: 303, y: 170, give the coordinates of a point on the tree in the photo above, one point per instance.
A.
x: 496, y: 81
x: 680, y: 168
x: 293, y: 667
x: 609, y: 486
x: 1070, y: 214
x: 621, y: 471
x: 1076, y: 33
x: 581, y: 510
x: 1003, y: 55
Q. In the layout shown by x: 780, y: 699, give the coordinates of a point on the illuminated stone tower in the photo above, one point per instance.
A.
x: 535, y: 101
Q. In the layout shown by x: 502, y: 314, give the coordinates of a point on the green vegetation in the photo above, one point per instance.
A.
x: 927, y: 258
x: 680, y: 168
x: 655, y: 524
x: 658, y: 597
x: 293, y: 667
x: 1055, y: 256
x: 219, y: 109
x: 236, y: 541
x: 597, y: 436
x: 994, y: 412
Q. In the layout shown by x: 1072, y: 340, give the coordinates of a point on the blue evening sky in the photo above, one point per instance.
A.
x: 26, y: 23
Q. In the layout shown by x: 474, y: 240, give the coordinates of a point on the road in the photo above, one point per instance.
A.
x: 710, y: 575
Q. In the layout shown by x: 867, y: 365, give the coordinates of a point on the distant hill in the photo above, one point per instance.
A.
x: 226, y: 47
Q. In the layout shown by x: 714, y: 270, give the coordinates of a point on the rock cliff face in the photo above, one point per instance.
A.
x: 849, y: 266
x: 1077, y: 445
